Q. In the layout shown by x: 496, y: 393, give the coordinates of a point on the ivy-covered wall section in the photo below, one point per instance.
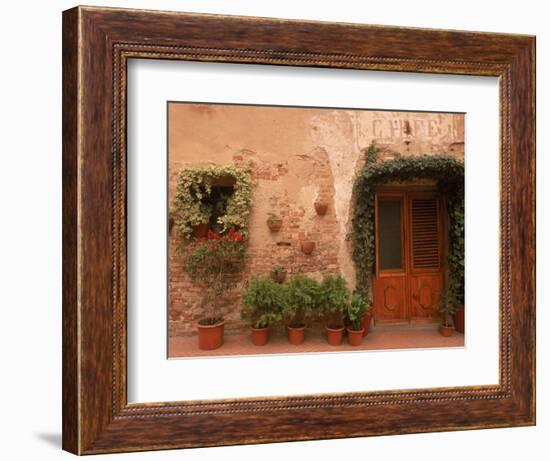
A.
x: 447, y: 171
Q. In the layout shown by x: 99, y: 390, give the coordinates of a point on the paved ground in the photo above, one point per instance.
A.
x: 402, y: 337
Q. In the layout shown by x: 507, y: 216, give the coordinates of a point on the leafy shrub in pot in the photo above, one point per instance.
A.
x: 301, y: 304
x: 356, y: 308
x: 263, y: 301
x: 334, y: 298
x: 214, y: 263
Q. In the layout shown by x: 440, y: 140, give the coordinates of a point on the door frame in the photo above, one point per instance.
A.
x: 405, y: 193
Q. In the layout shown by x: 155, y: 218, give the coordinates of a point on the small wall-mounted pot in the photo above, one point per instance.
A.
x: 274, y: 224
x: 278, y: 276
x: 321, y: 207
x: 307, y: 246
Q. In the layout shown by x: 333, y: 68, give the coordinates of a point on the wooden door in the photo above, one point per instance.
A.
x: 409, y: 256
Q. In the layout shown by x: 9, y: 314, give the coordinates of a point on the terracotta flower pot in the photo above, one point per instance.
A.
x: 459, y: 319
x: 307, y: 246
x: 259, y: 336
x: 275, y: 224
x: 446, y: 330
x: 201, y: 230
x: 279, y: 276
x: 355, y: 337
x: 210, y: 336
x: 296, y: 334
x: 321, y: 208
x: 365, y: 323
x: 334, y: 335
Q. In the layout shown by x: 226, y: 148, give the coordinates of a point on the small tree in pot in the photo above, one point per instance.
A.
x: 263, y: 300
x: 301, y: 304
x: 334, y: 298
x: 214, y: 263
x: 355, y: 311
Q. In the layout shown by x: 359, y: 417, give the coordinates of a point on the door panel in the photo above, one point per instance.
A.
x: 390, y: 226
x: 409, y: 249
x: 425, y: 295
x: 425, y: 233
x: 389, y: 298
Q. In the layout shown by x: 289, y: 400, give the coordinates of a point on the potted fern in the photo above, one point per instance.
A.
x: 335, y: 296
x: 214, y: 263
x: 263, y: 299
x: 356, y: 308
x: 301, y: 304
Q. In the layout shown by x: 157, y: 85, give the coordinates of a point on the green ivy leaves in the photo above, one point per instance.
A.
x: 449, y: 174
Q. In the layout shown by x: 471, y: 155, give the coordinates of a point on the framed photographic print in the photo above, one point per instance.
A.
x: 282, y: 230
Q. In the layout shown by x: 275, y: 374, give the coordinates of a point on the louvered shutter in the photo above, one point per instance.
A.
x: 425, y: 233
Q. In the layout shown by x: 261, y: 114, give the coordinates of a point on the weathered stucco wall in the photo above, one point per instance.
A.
x: 297, y: 155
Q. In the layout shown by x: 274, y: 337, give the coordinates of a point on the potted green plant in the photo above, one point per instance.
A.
x: 278, y: 273
x: 263, y: 299
x: 274, y: 222
x: 367, y: 319
x: 334, y: 297
x: 356, y: 308
x: 214, y: 264
x: 447, y: 307
x: 301, y: 304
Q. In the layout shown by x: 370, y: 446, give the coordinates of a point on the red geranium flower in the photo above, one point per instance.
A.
x: 213, y: 235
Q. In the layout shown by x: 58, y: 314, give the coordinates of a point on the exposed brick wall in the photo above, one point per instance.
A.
x: 297, y: 156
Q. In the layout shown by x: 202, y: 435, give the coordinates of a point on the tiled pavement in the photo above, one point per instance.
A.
x: 381, y: 338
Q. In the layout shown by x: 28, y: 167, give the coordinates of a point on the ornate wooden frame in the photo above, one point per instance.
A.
x: 97, y: 43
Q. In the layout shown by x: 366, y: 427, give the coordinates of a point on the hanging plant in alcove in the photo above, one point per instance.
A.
x: 215, y: 196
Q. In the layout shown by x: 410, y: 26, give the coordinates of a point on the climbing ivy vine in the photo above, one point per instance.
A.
x: 447, y: 171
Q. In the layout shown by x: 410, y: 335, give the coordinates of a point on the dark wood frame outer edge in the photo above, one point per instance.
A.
x: 97, y: 42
